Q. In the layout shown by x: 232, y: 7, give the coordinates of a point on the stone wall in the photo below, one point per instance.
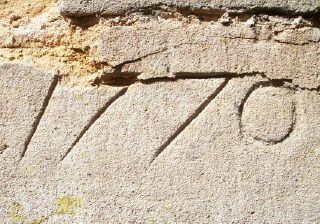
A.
x: 137, y: 111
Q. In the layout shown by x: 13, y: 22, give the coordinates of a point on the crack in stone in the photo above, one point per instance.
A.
x: 94, y: 119
x: 119, y: 78
x: 118, y: 67
x: 296, y: 44
x: 128, y: 79
x: 39, y: 116
x: 185, y: 124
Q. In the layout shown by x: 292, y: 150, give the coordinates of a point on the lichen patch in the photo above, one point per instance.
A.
x: 68, y: 205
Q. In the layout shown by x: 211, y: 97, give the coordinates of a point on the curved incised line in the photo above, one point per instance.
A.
x: 262, y: 84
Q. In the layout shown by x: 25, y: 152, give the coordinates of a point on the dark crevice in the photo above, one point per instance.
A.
x: 208, y: 75
x: 3, y: 148
x: 205, y: 13
x: 115, y: 79
x: 159, y: 79
x: 84, y: 22
x: 124, y: 79
x: 185, y: 124
x: 274, y: 11
x: 127, y: 79
x: 39, y: 116
x: 94, y: 119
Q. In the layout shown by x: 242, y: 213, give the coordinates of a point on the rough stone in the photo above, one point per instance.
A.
x: 220, y: 176
x: 167, y: 111
x: 111, y: 7
x: 69, y: 114
x: 120, y: 138
x: 132, y: 132
x: 187, y: 160
x: 173, y: 49
x: 25, y: 93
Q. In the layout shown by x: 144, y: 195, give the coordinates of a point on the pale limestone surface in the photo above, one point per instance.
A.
x: 269, y: 114
x: 131, y: 132
x: 183, y: 119
x: 221, y: 175
x: 195, y: 158
x: 68, y: 115
x: 25, y: 93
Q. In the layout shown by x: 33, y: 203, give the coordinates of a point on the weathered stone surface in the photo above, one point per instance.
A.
x: 269, y: 114
x: 133, y: 127
x: 220, y: 175
x: 69, y: 114
x: 132, y: 132
x: 193, y: 158
x: 162, y: 49
x: 111, y: 7
x: 25, y: 93
x: 173, y: 112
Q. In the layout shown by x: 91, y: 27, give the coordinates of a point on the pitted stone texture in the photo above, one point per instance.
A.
x: 268, y: 114
x: 305, y: 35
x: 24, y: 92
x: 68, y: 114
x: 210, y: 174
x: 123, y: 142
x: 170, y: 48
x: 112, y: 7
